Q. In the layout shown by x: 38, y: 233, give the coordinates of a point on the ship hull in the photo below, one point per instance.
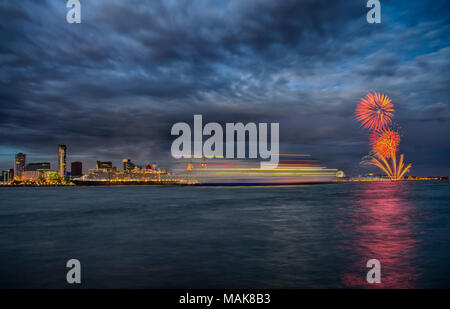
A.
x: 124, y: 183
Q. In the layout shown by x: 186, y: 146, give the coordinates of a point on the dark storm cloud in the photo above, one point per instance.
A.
x: 112, y: 86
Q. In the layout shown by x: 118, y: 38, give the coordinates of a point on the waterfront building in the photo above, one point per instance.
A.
x: 19, y: 164
x: 106, y: 165
x: 10, y: 174
x: 128, y: 165
x: 31, y: 175
x: 37, y: 166
x: 76, y: 169
x: 50, y: 176
x: 41, y: 176
x: 62, y: 156
x: 5, y: 177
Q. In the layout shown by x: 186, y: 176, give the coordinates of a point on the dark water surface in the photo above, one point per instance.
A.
x: 316, y: 236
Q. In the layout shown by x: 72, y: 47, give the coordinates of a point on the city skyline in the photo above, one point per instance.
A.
x: 112, y: 86
x: 22, y: 164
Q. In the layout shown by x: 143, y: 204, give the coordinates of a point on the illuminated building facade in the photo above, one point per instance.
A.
x: 19, y: 164
x: 136, y: 176
x: 50, y: 176
x: 76, y: 169
x: 31, y: 175
x: 41, y: 176
x: 37, y: 166
x: 128, y: 165
x: 106, y: 165
x: 62, y: 161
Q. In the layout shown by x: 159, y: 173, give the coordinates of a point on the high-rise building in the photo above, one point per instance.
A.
x: 62, y: 161
x: 76, y: 169
x: 19, y: 164
x: 128, y: 165
x: 5, y: 176
x: 10, y: 174
x: 43, y: 166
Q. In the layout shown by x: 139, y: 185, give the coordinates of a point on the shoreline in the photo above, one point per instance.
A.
x: 217, y: 185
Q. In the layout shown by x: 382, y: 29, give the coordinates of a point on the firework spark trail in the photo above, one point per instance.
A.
x: 385, y: 141
x: 375, y: 111
x: 396, y: 172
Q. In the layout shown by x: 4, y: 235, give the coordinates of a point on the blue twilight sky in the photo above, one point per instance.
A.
x: 112, y: 86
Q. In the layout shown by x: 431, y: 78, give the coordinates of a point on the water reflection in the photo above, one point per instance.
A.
x: 380, y: 225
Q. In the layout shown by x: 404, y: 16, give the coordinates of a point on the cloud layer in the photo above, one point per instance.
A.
x: 112, y: 86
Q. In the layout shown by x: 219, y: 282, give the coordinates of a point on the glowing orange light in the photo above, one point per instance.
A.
x: 397, y: 171
x: 385, y: 141
x: 375, y: 111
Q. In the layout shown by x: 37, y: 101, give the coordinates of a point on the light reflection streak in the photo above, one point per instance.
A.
x: 289, y: 171
x: 381, y: 227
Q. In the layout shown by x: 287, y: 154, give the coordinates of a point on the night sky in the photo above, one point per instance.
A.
x: 112, y: 86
